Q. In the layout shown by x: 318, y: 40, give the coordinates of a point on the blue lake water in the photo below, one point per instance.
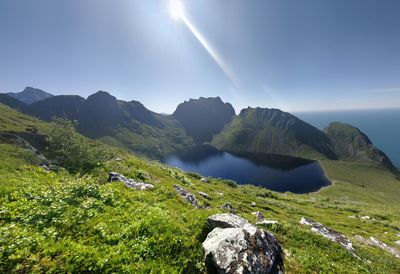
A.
x: 275, y: 172
x: 381, y: 126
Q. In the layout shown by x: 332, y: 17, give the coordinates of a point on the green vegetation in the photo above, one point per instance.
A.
x: 71, y: 150
x: 353, y: 145
x: 57, y: 221
x: 273, y: 131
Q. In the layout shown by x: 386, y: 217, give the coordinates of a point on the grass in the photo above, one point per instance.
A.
x: 62, y: 222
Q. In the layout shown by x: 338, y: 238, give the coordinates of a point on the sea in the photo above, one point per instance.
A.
x: 382, y: 126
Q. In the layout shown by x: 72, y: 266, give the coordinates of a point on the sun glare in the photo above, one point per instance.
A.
x: 176, y: 9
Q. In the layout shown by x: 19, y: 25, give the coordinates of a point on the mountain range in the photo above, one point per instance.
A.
x: 130, y: 125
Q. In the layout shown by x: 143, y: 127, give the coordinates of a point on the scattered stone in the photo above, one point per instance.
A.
x: 205, y: 195
x: 365, y: 217
x: 241, y: 248
x: 229, y: 207
x: 253, y: 204
x: 398, y: 234
x: 226, y: 220
x: 219, y: 193
x: 204, y: 180
x: 329, y: 233
x: 118, y: 159
x: 260, y: 219
x: 189, y: 197
x: 116, y: 177
x: 313, y: 199
x: 397, y: 242
x: 45, y: 166
x: 375, y: 242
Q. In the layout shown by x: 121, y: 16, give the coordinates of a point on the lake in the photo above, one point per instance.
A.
x: 275, y: 172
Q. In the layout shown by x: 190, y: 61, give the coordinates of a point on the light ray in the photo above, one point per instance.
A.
x: 178, y: 12
x: 214, y: 54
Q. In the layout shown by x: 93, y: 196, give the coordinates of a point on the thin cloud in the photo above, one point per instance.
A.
x: 385, y: 90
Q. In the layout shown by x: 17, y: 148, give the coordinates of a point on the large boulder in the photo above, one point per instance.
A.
x: 237, y: 246
x: 226, y: 220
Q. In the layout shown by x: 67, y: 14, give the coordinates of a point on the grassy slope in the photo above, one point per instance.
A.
x: 57, y: 221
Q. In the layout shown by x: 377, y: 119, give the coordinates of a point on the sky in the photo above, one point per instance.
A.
x: 289, y: 54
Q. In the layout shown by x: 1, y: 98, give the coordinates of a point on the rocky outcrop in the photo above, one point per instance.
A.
x: 329, y: 233
x: 228, y: 207
x: 113, y: 177
x: 240, y: 247
x: 375, y: 242
x: 260, y: 219
x: 205, y: 195
x: 189, y: 197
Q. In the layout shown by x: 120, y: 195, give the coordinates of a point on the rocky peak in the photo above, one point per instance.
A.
x: 30, y: 95
x: 204, y: 117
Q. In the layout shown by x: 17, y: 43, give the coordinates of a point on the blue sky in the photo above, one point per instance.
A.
x: 294, y: 55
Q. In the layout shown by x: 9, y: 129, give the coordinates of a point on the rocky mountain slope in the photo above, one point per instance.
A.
x: 157, y: 218
x: 124, y: 124
x: 204, y: 117
x: 353, y: 145
x: 30, y: 95
x: 132, y: 126
x: 273, y: 131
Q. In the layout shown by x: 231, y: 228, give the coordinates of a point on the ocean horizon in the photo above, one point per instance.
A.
x: 382, y: 126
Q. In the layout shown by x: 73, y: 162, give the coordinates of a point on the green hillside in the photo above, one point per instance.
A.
x: 274, y: 131
x: 57, y: 221
x: 353, y: 145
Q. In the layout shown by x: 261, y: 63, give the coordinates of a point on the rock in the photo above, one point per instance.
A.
x: 397, y: 242
x: 241, y: 248
x: 45, y: 166
x: 253, y: 204
x: 375, y: 242
x: 260, y: 219
x: 219, y: 193
x: 365, y: 217
x: 118, y: 159
x: 204, y: 180
x: 189, y: 197
x: 205, y: 195
x: 229, y: 207
x: 329, y: 233
x: 116, y: 177
x: 226, y: 220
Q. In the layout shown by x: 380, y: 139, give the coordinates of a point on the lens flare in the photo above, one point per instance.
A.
x: 176, y: 9
x: 177, y: 12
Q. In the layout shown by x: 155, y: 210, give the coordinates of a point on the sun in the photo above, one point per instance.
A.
x: 176, y: 9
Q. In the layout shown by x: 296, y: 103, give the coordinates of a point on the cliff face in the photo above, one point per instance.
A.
x: 352, y: 144
x: 204, y: 117
x: 273, y: 131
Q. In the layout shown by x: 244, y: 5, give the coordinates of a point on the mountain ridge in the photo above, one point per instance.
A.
x: 30, y: 95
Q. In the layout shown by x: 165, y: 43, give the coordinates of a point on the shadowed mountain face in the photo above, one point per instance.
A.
x: 11, y: 102
x: 30, y: 95
x: 273, y: 131
x: 124, y: 124
x: 352, y: 144
x: 204, y: 117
